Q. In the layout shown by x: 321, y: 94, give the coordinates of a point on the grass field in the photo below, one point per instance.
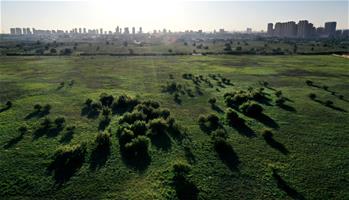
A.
x: 308, y: 157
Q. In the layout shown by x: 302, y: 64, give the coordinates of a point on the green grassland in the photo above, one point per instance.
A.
x: 313, y: 162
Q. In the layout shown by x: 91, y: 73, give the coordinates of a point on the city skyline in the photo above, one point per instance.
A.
x: 172, y: 15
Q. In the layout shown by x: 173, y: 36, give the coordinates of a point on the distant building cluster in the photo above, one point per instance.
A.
x: 304, y: 29
x: 33, y: 31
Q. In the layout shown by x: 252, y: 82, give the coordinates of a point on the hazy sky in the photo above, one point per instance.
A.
x: 171, y: 14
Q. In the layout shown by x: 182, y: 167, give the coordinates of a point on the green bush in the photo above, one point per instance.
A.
x: 124, y: 103
x: 181, y: 168
x: 312, y: 96
x: 139, y: 127
x: 106, y: 100
x: 251, y: 109
x: 103, y: 140
x: 212, y: 101
x: 280, y: 101
x: 8, y: 104
x: 37, y: 107
x: 267, y: 133
x: 130, y: 118
x: 233, y: 118
x: 329, y: 103
x: 158, y: 126
x: 59, y: 121
x: 138, y: 147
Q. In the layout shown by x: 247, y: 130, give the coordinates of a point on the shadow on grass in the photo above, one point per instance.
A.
x: 99, y: 157
x: 162, y: 141
x: 185, y: 189
x: 243, y: 129
x: 330, y: 105
x: 287, y: 107
x: 67, y: 137
x: 227, y: 154
x: 103, y: 124
x: 266, y: 120
x: 89, y: 112
x: 216, y: 108
x: 14, y: 141
x: 188, y: 153
x: 37, y: 114
x: 283, y: 185
x: 48, y: 131
x: 139, y: 163
x: 276, y: 145
x: 65, y: 165
x: 4, y: 109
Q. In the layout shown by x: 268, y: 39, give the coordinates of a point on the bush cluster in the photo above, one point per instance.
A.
x: 251, y: 109
x: 233, y: 118
x: 209, y: 122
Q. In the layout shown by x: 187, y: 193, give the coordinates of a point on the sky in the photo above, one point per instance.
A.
x: 176, y: 15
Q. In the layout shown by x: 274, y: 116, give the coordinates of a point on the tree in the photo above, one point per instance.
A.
x: 53, y: 50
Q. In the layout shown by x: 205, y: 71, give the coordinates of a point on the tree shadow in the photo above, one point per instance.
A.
x: 48, y: 131
x: 99, y: 157
x: 185, y: 189
x: 188, y: 153
x: 67, y: 137
x: 243, y: 129
x: 64, y: 166
x: 276, y: 145
x: 37, y: 114
x: 287, y: 108
x: 89, y: 112
x: 139, y: 162
x: 227, y: 154
x: 266, y: 120
x: 4, y: 109
x: 103, y: 124
x: 14, y: 141
x: 162, y: 141
x: 283, y: 185
x: 330, y: 105
x: 216, y: 108
x: 177, y: 101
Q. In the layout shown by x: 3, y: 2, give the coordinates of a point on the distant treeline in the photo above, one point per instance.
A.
x: 183, y: 54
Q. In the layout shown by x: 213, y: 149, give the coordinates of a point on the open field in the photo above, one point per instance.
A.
x: 307, y: 157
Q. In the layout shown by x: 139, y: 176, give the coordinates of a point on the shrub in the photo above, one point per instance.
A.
x: 341, y: 97
x: 329, y: 103
x: 125, y: 135
x: 23, y: 129
x: 103, y: 141
x: 106, y: 112
x: 46, y: 123
x: 138, y: 147
x: 219, y: 133
x: 308, y: 82
x: 212, y: 101
x: 278, y: 93
x: 202, y: 119
x: 267, y: 134
x: 130, y: 118
x: 158, y: 126
x: 213, y: 120
x: 59, y: 121
x: 233, y: 118
x: 96, y: 106
x: 325, y: 87
x: 8, y: 104
x: 47, y: 108
x: 124, y: 103
x: 106, y: 100
x: 312, y: 96
x: 88, y: 102
x: 251, y: 109
x: 221, y: 145
x: 139, y: 127
x: 37, y: 107
x: 181, y: 168
x: 280, y: 101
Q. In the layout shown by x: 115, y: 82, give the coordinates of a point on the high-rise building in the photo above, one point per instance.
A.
x: 303, y: 29
x: 133, y: 30
x: 270, y: 29
x: 18, y: 31
x: 248, y: 30
x: 12, y: 31
x: 28, y: 31
x: 117, y: 30
x: 140, y: 30
x: 101, y: 31
x: 84, y: 30
x: 126, y: 31
x: 330, y: 28
x: 24, y: 31
x: 80, y: 31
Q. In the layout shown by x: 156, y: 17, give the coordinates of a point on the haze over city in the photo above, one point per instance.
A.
x: 172, y: 15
